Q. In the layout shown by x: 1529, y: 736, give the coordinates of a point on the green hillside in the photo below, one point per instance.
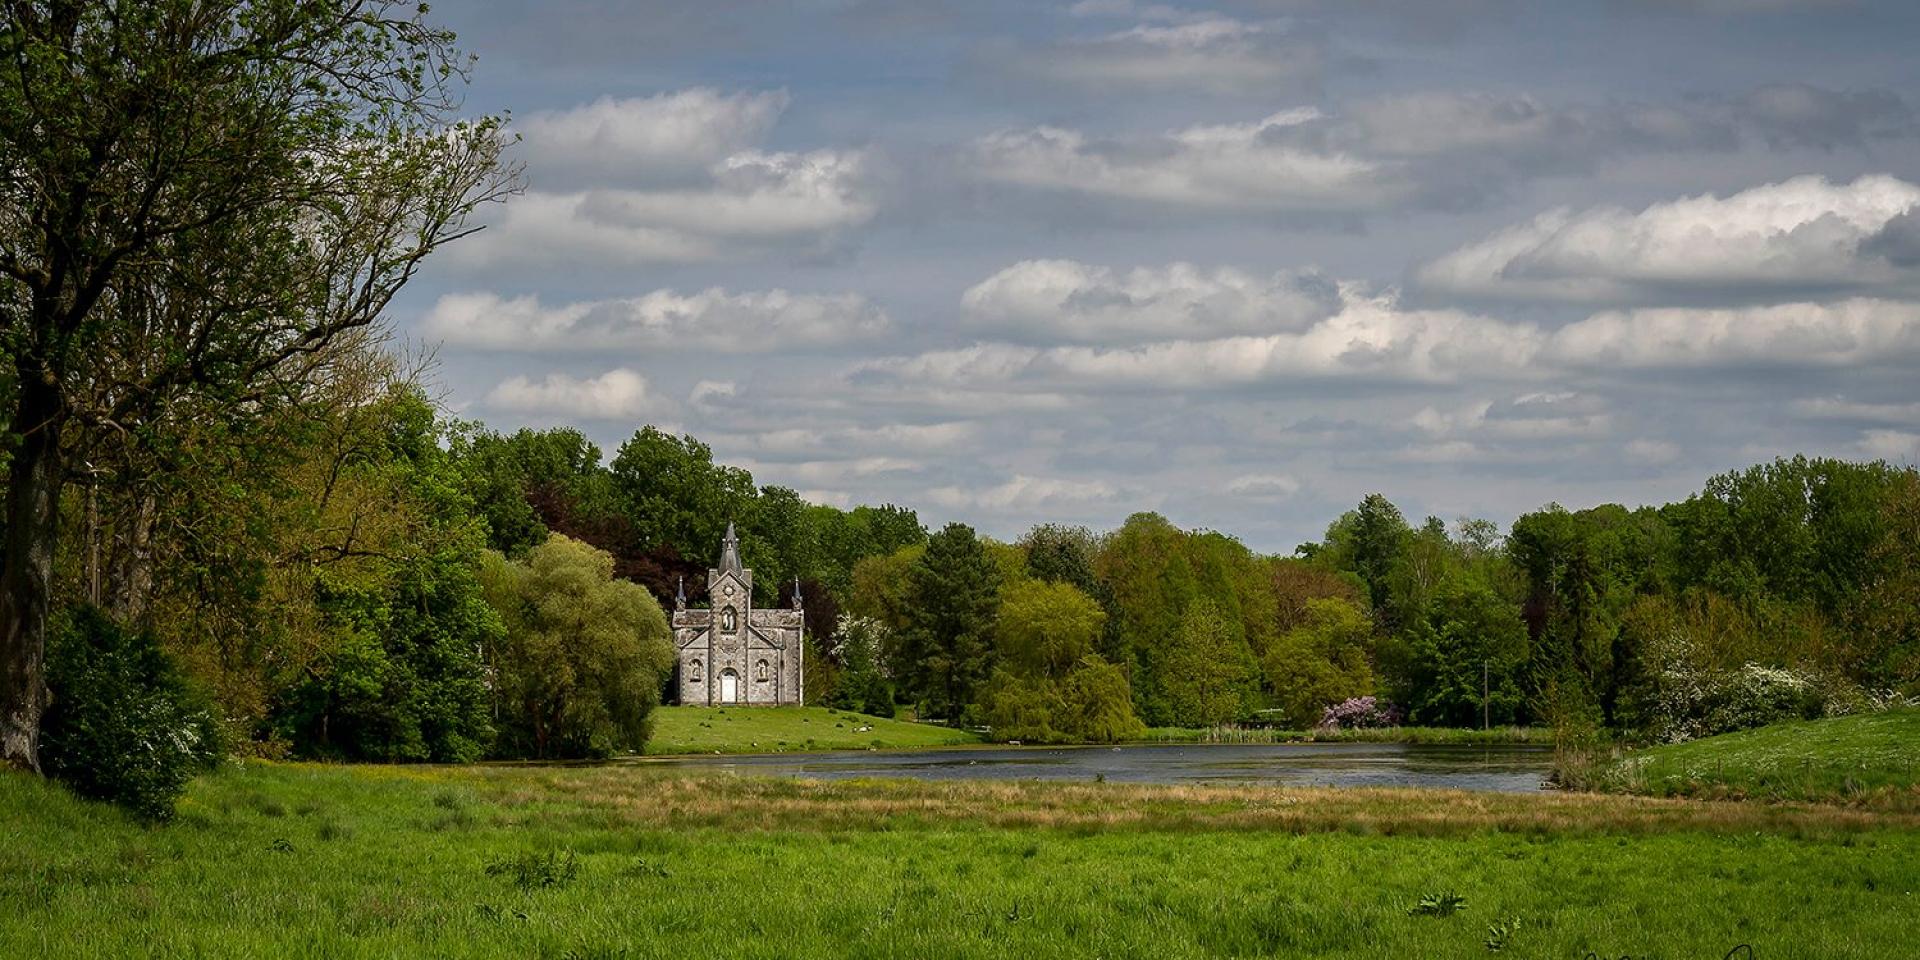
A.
x: 1869, y: 759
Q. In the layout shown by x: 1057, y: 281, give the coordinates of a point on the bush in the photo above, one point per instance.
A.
x: 1682, y: 698
x: 123, y: 726
x: 1360, y: 713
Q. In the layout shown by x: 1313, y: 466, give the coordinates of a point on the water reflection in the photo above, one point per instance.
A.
x: 1502, y: 768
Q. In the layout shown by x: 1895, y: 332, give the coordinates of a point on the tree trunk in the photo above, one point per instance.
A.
x: 130, y: 578
x: 26, y: 578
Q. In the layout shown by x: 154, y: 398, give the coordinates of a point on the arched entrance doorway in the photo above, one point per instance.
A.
x: 729, y: 686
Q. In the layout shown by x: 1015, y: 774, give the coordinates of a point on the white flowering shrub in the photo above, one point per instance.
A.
x: 1681, y: 698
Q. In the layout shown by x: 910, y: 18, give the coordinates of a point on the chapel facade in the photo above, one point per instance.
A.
x: 731, y: 652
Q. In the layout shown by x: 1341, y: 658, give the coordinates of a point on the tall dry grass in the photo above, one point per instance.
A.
x: 640, y: 797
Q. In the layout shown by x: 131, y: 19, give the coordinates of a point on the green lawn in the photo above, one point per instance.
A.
x: 779, y: 729
x: 623, y: 861
x: 1871, y: 759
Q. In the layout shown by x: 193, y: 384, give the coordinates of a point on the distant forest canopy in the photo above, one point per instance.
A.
x: 1804, y: 567
x: 360, y: 577
x: 365, y: 578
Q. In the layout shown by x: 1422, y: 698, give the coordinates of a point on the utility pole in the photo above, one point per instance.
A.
x: 1484, y: 725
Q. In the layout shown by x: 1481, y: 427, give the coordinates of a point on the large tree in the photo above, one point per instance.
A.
x: 584, y: 657
x: 1322, y: 661
x: 1046, y: 629
x: 1146, y: 571
x: 1206, y: 674
x: 954, y: 591
x: 197, y: 198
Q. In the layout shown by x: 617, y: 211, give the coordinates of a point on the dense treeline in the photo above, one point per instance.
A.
x: 1787, y: 589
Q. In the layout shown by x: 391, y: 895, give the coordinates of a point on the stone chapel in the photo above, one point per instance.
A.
x: 731, y: 652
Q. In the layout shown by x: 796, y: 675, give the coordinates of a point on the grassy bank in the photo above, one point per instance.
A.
x: 1870, y: 759
x: 1439, y: 735
x: 782, y: 729
x: 622, y: 861
x: 684, y: 730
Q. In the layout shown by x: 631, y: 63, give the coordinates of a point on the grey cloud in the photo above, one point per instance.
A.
x: 1898, y: 242
x: 1798, y: 115
x: 1169, y: 49
x: 1858, y: 413
x: 1426, y: 150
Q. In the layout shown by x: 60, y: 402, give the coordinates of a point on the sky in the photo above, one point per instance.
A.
x: 1239, y: 262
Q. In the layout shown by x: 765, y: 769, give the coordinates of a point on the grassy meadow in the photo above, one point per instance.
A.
x: 1870, y: 759
x: 678, y: 730
x: 618, y: 860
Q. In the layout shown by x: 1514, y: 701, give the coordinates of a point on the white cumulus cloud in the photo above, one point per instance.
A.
x: 709, y: 320
x: 1370, y: 337
x: 645, y: 139
x: 1065, y: 300
x: 1860, y: 331
x: 1025, y: 493
x: 1250, y: 167
x: 1803, y: 232
x: 616, y: 394
x: 752, y: 204
x: 1264, y: 486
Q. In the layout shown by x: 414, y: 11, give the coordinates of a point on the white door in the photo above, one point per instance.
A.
x: 729, y: 687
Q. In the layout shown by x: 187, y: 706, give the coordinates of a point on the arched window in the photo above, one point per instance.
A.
x: 729, y: 621
x: 760, y: 671
x: 693, y: 671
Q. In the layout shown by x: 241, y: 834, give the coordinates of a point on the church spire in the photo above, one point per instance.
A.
x: 680, y: 595
x: 730, y: 552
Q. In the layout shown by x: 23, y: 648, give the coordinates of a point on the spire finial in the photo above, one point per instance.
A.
x: 680, y: 595
x: 730, y: 551
x: 796, y: 593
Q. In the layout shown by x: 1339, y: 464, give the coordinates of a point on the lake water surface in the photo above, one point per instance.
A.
x: 1502, y: 768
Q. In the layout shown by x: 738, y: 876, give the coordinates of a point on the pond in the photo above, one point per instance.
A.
x: 1507, y: 768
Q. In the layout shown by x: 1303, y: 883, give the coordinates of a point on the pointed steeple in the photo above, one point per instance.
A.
x: 796, y: 593
x: 730, y: 552
x: 680, y: 595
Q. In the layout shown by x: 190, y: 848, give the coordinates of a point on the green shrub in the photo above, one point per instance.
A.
x: 123, y: 726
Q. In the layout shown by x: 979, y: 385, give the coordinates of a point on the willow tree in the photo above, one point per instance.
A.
x: 198, y: 200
